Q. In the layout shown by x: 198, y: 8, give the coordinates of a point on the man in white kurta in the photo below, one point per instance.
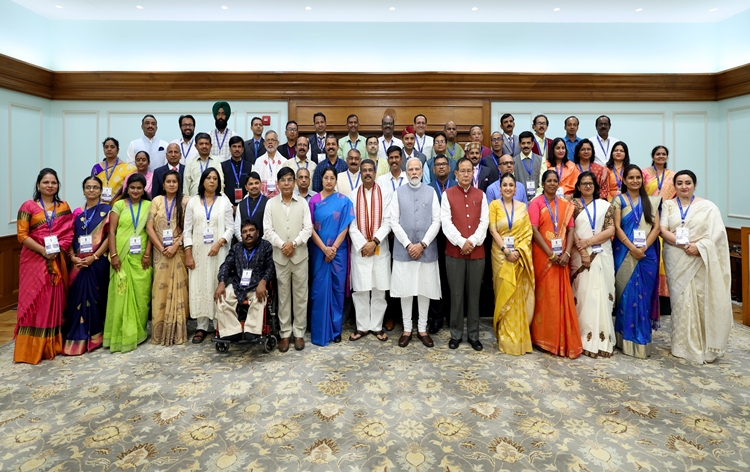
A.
x: 268, y: 165
x: 415, y: 221
x: 396, y: 177
x: 370, y: 255
x: 155, y: 147
x: 348, y: 182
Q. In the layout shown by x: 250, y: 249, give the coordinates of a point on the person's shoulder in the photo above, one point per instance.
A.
x: 264, y: 245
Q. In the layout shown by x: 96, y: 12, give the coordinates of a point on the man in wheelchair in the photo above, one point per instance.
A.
x: 243, y: 277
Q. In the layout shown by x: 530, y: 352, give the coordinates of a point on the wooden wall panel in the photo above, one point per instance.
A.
x: 733, y: 82
x: 25, y: 78
x: 10, y: 258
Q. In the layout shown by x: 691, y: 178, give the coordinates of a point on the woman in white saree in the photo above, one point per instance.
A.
x: 592, y: 267
x: 696, y: 260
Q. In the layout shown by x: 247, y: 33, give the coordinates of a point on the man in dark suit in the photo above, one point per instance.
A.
x: 484, y: 175
x: 255, y: 147
x: 510, y: 140
x: 289, y: 149
x: 173, y: 162
x: 318, y: 140
x: 235, y: 169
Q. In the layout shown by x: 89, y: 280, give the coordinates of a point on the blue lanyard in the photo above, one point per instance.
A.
x: 580, y: 167
x: 49, y: 219
x: 307, y: 164
x: 658, y: 182
x: 618, y: 177
x: 440, y: 188
x: 87, y: 219
x: 321, y: 142
x: 353, y: 186
x: 531, y: 166
x: 553, y: 216
x: 133, y: 216
x: 540, y: 147
x: 250, y: 257
x: 107, y: 174
x: 200, y: 163
x: 170, y: 208
x: 216, y: 132
x: 393, y: 185
x: 247, y: 205
x: 684, y: 215
x: 182, y: 148
x: 637, y: 215
x: 453, y: 151
x: 497, y: 162
x: 512, y: 215
x: 591, y: 220
x: 606, y: 151
x: 423, y: 141
x: 353, y: 146
x: 385, y: 149
x: 560, y: 171
x: 236, y: 175
x: 208, y: 210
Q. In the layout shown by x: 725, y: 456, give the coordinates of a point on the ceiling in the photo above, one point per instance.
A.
x: 494, y: 11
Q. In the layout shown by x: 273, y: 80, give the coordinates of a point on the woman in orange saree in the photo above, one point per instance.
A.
x: 555, y: 325
x: 567, y: 172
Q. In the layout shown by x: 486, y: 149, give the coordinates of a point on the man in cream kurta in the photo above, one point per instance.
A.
x: 348, y: 182
x: 370, y: 256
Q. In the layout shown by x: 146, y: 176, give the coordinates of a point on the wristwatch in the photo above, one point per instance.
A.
x: 376, y: 241
x: 424, y: 246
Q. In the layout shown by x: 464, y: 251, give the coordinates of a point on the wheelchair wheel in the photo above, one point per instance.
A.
x: 222, y: 347
x: 270, y: 344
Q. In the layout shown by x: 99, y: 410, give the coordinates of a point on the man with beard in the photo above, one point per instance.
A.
x: 289, y: 148
x: 220, y: 136
x: 387, y: 140
x: 242, y: 291
x: 415, y: 220
x: 155, y: 147
x: 173, y: 163
x: 186, y: 142
x: 268, y: 165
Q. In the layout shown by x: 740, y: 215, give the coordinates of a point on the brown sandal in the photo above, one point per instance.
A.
x: 199, y: 336
x: 381, y: 335
x: 357, y: 335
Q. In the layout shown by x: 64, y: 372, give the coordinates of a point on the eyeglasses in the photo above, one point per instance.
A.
x: 89, y: 187
x: 441, y: 164
x: 586, y: 184
x: 509, y: 163
x: 494, y: 140
x: 541, y: 123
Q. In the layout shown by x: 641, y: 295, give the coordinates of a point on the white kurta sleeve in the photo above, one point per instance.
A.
x: 131, y: 153
x: 449, y: 229
x: 188, y: 240
x: 477, y: 239
x: 358, y: 239
x: 398, y: 231
x: 385, y: 225
x: 238, y: 224
x: 434, y: 228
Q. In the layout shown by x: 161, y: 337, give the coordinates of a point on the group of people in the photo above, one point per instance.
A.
x: 550, y: 236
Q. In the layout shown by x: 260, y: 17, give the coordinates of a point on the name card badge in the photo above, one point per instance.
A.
x: 271, y: 186
x: 560, y: 193
x: 683, y: 236
x: 166, y: 238
x: 530, y: 187
x: 85, y: 243
x: 510, y: 243
x: 597, y: 248
x: 135, y: 245
x: 557, y: 247
x: 639, y: 238
x: 321, y: 157
x: 208, y: 236
x: 107, y: 194
x: 237, y: 195
x: 246, y: 275
x: 51, y: 246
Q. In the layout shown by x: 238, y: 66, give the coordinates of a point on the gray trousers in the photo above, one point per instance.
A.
x: 464, y: 277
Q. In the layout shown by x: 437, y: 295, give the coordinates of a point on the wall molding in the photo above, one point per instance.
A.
x: 30, y: 79
x: 675, y: 152
x: 11, y: 105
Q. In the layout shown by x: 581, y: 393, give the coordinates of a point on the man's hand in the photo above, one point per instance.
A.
x: 368, y: 249
x: 261, y: 293
x: 415, y: 250
x: 287, y: 249
x: 220, y: 293
x: 467, y: 248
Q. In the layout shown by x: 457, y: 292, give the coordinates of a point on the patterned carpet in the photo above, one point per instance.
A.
x: 368, y: 405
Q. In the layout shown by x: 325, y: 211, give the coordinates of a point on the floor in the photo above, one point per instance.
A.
x: 8, y: 323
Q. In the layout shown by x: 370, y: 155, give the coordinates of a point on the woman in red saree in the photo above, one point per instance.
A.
x: 45, y: 229
x: 555, y: 324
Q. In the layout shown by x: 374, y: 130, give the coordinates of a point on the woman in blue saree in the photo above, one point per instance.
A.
x: 636, y: 251
x: 329, y: 255
x: 83, y: 324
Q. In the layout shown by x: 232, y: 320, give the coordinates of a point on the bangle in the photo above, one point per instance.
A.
x: 96, y: 258
x: 567, y: 253
x: 113, y: 255
x: 376, y: 241
x: 552, y: 256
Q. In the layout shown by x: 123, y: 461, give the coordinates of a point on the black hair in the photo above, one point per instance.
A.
x: 577, y: 191
x: 603, y: 116
x: 440, y: 133
x: 117, y: 143
x: 475, y: 126
x: 462, y: 160
x: 256, y: 118
x: 506, y: 115
x: 319, y: 114
x: 291, y: 122
x: 371, y: 137
x: 246, y: 178
x: 577, y: 152
x: 524, y: 135
x: 148, y: 158
x: 178, y: 196
x: 284, y: 171
x: 439, y: 156
x: 393, y: 148
x: 92, y: 177
x: 574, y: 117
x: 327, y: 169
x: 236, y: 139
x: 202, y: 135
x: 533, y: 122
x: 42, y: 173
x: 182, y: 117
x: 653, y: 153
x: 507, y: 175
x: 135, y: 178
x: 204, y: 175
x: 248, y: 222
x: 687, y: 172
x: 350, y: 116
x: 417, y: 116
x: 625, y: 162
x: 368, y: 162
x: 148, y: 116
x: 547, y: 172
x: 645, y: 200
x: 551, y: 159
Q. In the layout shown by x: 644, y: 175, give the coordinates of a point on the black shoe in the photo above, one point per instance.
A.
x: 435, y: 326
x: 453, y: 343
x: 337, y: 339
x: 476, y: 345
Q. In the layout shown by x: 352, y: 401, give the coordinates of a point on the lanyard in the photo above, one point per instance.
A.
x: 216, y: 132
x: 495, y: 159
x: 307, y: 164
x: 424, y: 138
x: 553, y: 216
x: 133, y: 216
x: 321, y: 142
x: 540, y: 147
x: 182, y: 148
x: 385, y: 149
x: 86, y: 218
x: 530, y: 168
x: 618, y: 177
x: 512, y: 215
x: 247, y: 205
x: 560, y: 171
x: 452, y: 150
x: 170, y: 208
x: 580, y: 167
x: 353, y: 146
x: 107, y: 174
x: 270, y: 169
x: 591, y: 220
x: 393, y: 184
x: 440, y: 188
x: 659, y: 183
x: 50, y: 219
x: 250, y: 257
x: 353, y: 186
x: 236, y: 175
x: 208, y: 210
x: 200, y: 163
x: 638, y: 217
x: 606, y: 151
x: 684, y: 215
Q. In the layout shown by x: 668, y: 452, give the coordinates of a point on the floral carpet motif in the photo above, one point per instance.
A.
x: 373, y: 406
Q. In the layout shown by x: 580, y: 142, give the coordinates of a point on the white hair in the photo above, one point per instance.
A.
x: 413, y: 159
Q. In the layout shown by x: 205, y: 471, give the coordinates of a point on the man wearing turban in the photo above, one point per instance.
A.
x: 222, y: 134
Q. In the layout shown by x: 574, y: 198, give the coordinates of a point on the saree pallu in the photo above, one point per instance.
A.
x: 667, y: 192
x: 116, y: 179
x: 636, y: 285
x: 594, y: 287
x: 43, y: 284
x: 569, y: 176
x: 330, y: 216
x: 129, y: 292
x: 513, y: 281
x: 701, y: 286
x: 169, y: 295
x: 555, y: 325
x: 83, y: 328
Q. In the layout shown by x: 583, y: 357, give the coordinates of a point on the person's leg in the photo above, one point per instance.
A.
x: 254, y: 320
x: 424, y: 309
x: 361, y: 302
x: 299, y: 287
x: 406, y: 304
x: 284, y: 290
x: 456, y: 269
x: 378, y: 305
x: 226, y: 315
x: 475, y: 272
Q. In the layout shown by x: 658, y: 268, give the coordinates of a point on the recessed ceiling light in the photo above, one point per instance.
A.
x: 224, y: 7
x: 474, y: 9
x: 639, y: 9
x: 139, y: 7
x: 58, y: 6
x: 308, y: 8
x: 557, y: 9
x: 713, y: 9
x: 392, y: 8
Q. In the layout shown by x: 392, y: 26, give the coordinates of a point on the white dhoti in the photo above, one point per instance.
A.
x: 226, y: 315
x: 415, y: 279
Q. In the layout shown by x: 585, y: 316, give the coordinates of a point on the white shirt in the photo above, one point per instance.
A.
x: 388, y: 184
x: 188, y: 151
x: 268, y: 167
x: 383, y: 146
x: 156, y: 157
x: 424, y: 144
x: 431, y: 232
x: 602, y: 149
x: 452, y: 233
x: 220, y: 144
x: 347, y: 183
